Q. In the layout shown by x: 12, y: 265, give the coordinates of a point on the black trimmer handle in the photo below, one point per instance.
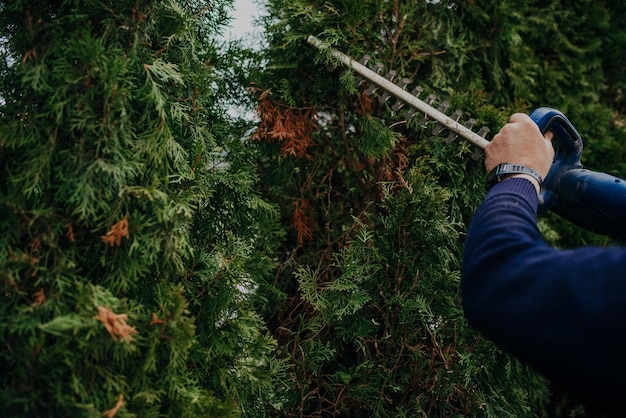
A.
x: 595, y: 201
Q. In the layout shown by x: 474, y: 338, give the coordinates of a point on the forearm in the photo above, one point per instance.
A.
x: 550, y: 308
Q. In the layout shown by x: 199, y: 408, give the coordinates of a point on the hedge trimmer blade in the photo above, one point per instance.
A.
x: 385, y: 88
x: 594, y: 200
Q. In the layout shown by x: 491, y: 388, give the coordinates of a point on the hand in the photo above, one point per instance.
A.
x: 520, y: 142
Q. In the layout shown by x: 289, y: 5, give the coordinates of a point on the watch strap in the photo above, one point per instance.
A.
x: 504, y: 170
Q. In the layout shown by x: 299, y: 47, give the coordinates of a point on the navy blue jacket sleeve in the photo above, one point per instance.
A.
x: 562, y: 312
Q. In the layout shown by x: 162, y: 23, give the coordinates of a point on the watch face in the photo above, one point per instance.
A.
x: 502, y: 169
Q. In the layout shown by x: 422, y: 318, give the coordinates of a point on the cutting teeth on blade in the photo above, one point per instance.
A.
x: 383, y: 97
x: 455, y: 116
x: 476, y: 155
x: 469, y: 124
x: 365, y: 59
x: 373, y: 88
x: 443, y: 107
x: 416, y: 92
x: 402, y: 84
x: 384, y: 88
x: 429, y: 101
x: 482, y: 132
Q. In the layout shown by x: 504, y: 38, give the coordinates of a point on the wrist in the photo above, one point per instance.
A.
x: 528, y: 177
x: 505, y: 171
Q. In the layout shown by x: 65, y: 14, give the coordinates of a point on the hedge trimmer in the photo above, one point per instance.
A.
x: 593, y: 200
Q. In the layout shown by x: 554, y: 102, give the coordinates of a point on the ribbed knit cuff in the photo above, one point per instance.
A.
x: 521, y: 187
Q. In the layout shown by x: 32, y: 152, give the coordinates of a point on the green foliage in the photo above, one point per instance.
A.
x: 385, y: 336
x: 149, y: 269
x: 375, y: 139
x: 134, y: 245
x: 372, y: 323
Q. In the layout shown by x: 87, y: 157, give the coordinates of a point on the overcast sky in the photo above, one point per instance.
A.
x: 245, y: 12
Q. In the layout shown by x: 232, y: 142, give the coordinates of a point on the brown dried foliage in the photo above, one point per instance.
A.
x: 292, y: 127
x: 25, y: 258
x: 388, y: 169
x: 39, y: 297
x: 303, y: 221
x: 70, y: 232
x: 110, y: 413
x: 364, y: 104
x: 116, y: 233
x: 30, y: 54
x: 156, y: 320
x: 115, y: 324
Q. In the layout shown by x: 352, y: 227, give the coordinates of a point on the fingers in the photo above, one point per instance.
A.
x: 519, y: 117
x: 525, y: 119
x: 521, y: 142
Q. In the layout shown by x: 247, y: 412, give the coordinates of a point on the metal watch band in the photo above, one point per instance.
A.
x: 504, y: 170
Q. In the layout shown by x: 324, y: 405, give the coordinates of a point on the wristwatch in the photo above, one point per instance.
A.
x: 504, y: 170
